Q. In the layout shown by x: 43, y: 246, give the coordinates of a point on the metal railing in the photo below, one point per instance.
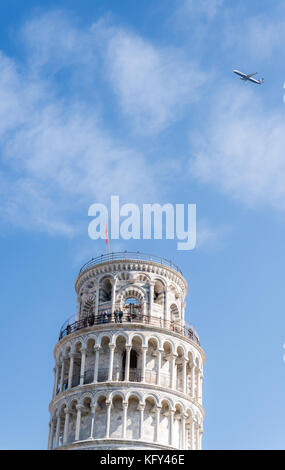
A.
x: 129, y: 255
x: 185, y: 330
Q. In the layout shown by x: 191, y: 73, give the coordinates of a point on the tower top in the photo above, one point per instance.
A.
x: 133, y: 261
x: 125, y: 356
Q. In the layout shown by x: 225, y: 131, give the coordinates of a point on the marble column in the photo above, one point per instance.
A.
x: 127, y: 364
x: 56, y: 378
x: 97, y: 303
x: 184, y: 374
x: 96, y: 364
x: 159, y: 361
x: 114, y: 283
x: 108, y: 404
x: 70, y: 372
x: 157, y: 423
x: 183, y: 426
x: 173, y: 372
x: 166, y: 309
x: 78, y: 421
x: 62, y: 373
x: 111, y: 361
x: 151, y: 293
x: 93, y: 414
x: 141, y: 410
x: 82, y: 369
x: 124, y: 423
x: 57, y: 429
x: 144, y: 350
x: 192, y: 380
x: 171, y: 425
x: 66, y: 425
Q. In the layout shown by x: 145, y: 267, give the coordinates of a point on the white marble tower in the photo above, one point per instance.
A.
x: 128, y: 369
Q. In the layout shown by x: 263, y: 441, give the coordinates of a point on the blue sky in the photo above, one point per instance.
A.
x: 139, y: 99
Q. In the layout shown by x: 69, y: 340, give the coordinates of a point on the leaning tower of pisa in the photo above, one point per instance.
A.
x: 128, y: 368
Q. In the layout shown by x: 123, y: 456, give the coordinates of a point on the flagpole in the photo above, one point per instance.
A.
x: 107, y: 238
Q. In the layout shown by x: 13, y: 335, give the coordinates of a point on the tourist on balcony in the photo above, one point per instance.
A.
x: 120, y: 316
x: 117, y: 316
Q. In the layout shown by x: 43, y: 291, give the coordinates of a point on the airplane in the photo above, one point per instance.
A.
x: 245, y: 77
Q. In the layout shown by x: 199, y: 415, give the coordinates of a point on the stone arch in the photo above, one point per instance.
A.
x: 133, y: 416
x: 105, y: 288
x: 181, y: 349
x: 179, y: 363
x: 61, y: 416
x: 151, y: 365
x: 164, y: 421
x: 158, y: 291
x: 72, y: 419
x: 103, y: 276
x: 189, y: 428
x: 132, y: 301
x: 142, y: 277
x: 103, y: 335
x: 174, y: 313
x: 85, y: 422
x: 120, y: 340
x: 100, y: 424
x: 177, y: 424
x: 67, y: 346
x: 151, y: 396
x: 78, y: 345
x: 135, y: 366
x: 149, y: 417
x: 84, y: 396
x: 99, y: 395
x: 115, y: 393
x: 173, y: 290
x: 154, y: 338
x: 90, y: 359
x: 87, y: 305
x: 122, y: 334
x: 166, y: 362
x: 131, y: 290
x: 104, y: 357
x: 116, y: 419
x: 137, y: 394
x: 137, y: 335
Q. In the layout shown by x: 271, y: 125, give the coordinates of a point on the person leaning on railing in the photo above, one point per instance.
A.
x: 117, y: 316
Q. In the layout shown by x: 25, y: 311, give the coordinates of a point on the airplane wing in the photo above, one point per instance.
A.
x: 251, y: 74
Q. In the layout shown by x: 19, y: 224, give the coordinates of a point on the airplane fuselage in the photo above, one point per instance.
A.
x: 245, y: 77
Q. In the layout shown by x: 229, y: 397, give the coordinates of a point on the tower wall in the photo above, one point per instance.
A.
x: 129, y: 380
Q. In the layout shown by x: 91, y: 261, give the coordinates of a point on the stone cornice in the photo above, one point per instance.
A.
x: 129, y: 326
x: 114, y: 385
x: 106, y: 443
x: 109, y: 267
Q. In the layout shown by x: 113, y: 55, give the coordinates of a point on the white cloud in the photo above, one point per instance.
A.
x: 255, y: 35
x: 241, y: 151
x: 208, y: 8
x: 153, y: 84
x: 57, y: 154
